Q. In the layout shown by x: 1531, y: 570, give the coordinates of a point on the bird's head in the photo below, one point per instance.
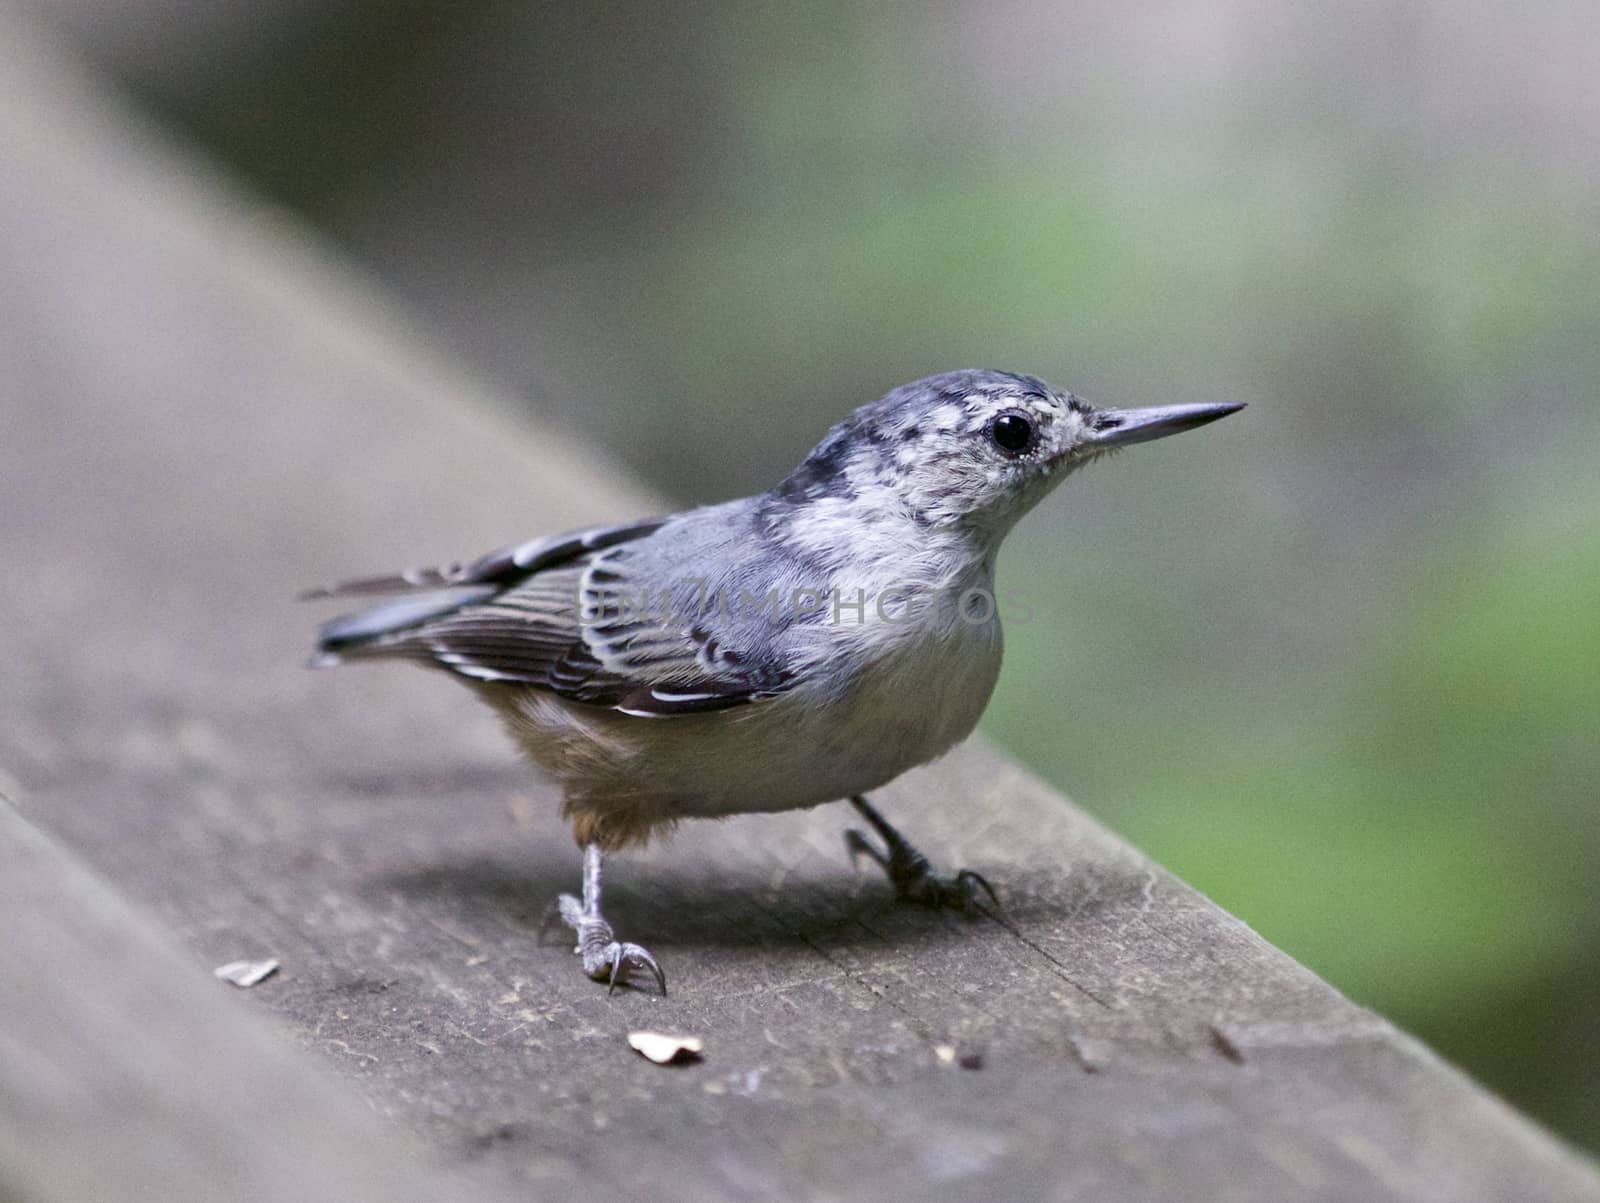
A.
x: 974, y: 450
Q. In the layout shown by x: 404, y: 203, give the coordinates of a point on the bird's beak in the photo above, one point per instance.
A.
x: 1121, y: 427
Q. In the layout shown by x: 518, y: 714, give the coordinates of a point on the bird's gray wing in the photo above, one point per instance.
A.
x: 622, y: 624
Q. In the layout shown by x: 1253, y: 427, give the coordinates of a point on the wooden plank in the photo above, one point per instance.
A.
x: 213, y: 415
x: 126, y: 1074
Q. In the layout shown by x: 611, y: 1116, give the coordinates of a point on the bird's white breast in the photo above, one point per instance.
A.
x: 888, y: 697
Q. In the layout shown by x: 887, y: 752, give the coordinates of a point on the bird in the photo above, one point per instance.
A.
x: 804, y: 645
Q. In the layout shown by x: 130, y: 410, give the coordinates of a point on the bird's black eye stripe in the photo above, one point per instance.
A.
x: 1013, y: 433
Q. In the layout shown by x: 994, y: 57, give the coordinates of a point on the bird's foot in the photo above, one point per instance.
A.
x: 915, y: 880
x: 913, y: 877
x: 605, y: 958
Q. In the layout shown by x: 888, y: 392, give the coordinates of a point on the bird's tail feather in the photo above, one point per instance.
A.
x: 369, y: 630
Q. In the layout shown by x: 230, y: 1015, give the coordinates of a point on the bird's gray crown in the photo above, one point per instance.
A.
x: 964, y: 447
x: 897, y: 416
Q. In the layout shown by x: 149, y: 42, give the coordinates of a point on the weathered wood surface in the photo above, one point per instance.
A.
x: 202, y: 415
x: 122, y: 1078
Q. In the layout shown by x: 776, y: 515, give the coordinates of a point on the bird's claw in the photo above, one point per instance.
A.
x: 622, y: 960
x: 915, y: 880
x: 967, y: 884
x: 605, y: 958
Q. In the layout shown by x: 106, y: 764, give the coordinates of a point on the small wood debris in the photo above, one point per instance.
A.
x: 664, y: 1049
x: 245, y: 974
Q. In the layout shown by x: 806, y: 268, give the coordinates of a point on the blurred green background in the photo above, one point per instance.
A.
x: 1336, y: 662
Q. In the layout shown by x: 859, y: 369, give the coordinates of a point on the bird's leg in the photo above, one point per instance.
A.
x: 604, y: 959
x: 913, y: 878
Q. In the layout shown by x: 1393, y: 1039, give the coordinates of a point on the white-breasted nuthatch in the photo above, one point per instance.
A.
x: 800, y: 646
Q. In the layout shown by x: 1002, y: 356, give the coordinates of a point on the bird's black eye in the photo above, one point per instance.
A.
x: 1012, y: 433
